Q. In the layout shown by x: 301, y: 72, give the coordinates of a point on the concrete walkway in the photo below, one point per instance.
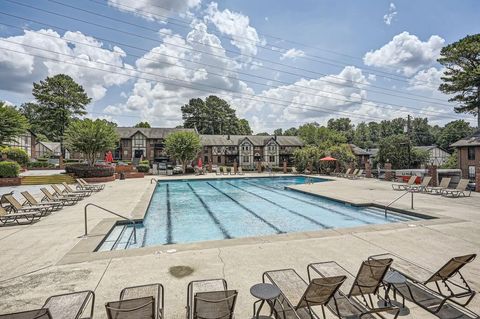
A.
x: 30, y: 254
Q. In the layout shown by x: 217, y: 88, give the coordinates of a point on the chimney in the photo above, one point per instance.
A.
x: 228, y: 137
x: 275, y: 137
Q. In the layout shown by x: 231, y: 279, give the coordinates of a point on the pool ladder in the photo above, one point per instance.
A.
x: 396, y: 199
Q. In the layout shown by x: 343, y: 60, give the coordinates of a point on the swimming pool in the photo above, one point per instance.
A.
x: 201, y: 210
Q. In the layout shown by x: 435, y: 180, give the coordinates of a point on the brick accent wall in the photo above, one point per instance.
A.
x: 432, y: 171
x: 477, y: 178
x: 368, y: 169
x: 388, y: 172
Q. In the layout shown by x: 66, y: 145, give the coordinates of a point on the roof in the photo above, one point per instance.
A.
x: 359, y: 151
x: 373, y: 151
x: 256, y: 140
x: 154, y: 132
x: 428, y: 148
x: 52, y: 146
x: 472, y: 140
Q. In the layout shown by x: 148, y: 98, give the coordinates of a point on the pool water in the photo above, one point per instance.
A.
x: 201, y: 210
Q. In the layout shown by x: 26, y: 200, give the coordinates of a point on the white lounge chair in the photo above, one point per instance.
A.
x: 403, y: 186
x: 459, y: 191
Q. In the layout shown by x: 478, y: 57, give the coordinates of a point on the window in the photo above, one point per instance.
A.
x: 471, y: 172
x: 271, y: 159
x: 219, y: 159
x: 471, y: 153
x: 245, y: 159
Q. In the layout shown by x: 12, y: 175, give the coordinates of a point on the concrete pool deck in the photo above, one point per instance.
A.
x: 39, y: 260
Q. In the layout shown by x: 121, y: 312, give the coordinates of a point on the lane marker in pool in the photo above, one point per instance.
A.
x: 169, y: 217
x: 278, y: 230
x: 211, y: 214
x: 274, y: 190
x: 283, y: 207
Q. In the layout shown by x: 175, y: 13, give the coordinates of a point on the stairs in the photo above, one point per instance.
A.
x: 47, y: 179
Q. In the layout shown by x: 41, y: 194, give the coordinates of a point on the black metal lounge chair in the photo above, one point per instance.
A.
x: 404, y: 186
x: 18, y: 208
x: 30, y: 314
x: 145, y: 301
x: 298, y: 297
x: 30, y: 200
x: 208, y: 299
x: 361, y: 287
x: 419, y: 279
x: 6, y: 217
x: 51, y: 197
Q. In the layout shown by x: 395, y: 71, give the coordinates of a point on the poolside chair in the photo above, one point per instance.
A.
x: 51, y: 197
x: 298, y: 297
x: 421, y: 187
x: 339, y: 173
x: 69, y: 190
x: 70, y: 305
x: 240, y: 171
x: 145, y: 301
x: 210, y: 299
x: 30, y: 314
x: 403, y: 186
x: 85, y: 185
x: 30, y: 200
x: 224, y: 170
x: 437, y: 190
x: 294, y: 170
x: 352, y: 174
x: 217, y: 171
x: 361, y: 288
x: 18, y: 208
x: 6, y: 217
x: 346, y: 173
x: 459, y: 191
x: 60, y: 194
x: 419, y: 281
x: 356, y: 176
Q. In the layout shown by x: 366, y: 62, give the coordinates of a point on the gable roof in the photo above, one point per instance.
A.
x: 359, y: 151
x: 154, y: 132
x: 256, y: 140
x: 472, y: 140
x: 52, y: 146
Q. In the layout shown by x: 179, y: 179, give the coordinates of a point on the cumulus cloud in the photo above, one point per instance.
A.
x: 235, y: 25
x: 406, y: 53
x: 392, y: 12
x: 426, y: 80
x: 292, y: 54
x: 154, y: 9
x: 18, y: 71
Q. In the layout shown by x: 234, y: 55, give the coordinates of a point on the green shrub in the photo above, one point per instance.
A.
x: 145, y: 162
x: 16, y: 154
x: 42, y: 160
x: 143, y: 168
x: 71, y: 161
x: 9, y: 169
x: 84, y: 170
x: 40, y: 165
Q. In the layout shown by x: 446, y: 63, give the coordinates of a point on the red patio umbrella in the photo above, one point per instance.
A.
x: 328, y: 158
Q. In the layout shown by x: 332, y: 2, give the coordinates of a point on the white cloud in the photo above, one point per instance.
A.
x: 392, y: 12
x: 292, y: 54
x: 154, y: 9
x: 426, y: 80
x: 406, y: 53
x: 235, y: 25
x: 18, y: 71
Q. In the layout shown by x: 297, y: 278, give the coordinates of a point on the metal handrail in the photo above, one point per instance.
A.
x: 406, y: 192
x: 153, y: 179
x: 113, y: 213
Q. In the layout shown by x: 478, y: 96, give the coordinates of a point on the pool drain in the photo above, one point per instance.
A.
x: 180, y: 271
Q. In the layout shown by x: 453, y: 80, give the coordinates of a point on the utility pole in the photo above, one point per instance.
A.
x: 409, y: 141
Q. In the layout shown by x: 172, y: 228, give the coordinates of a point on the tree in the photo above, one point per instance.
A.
x: 421, y: 132
x: 12, y: 123
x: 362, y: 136
x: 308, y: 155
x: 342, y: 125
x: 183, y: 146
x: 452, y: 161
x: 461, y: 60
x: 90, y: 137
x: 262, y: 134
x: 342, y: 153
x: 60, y: 100
x: 398, y: 150
x: 293, y: 131
x: 244, y: 127
x: 452, y: 132
x: 315, y: 135
x: 278, y: 132
x: 142, y: 125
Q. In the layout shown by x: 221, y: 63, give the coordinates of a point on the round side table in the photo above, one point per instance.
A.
x: 264, y: 293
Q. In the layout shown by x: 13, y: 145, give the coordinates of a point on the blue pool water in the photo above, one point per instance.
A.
x: 200, y: 210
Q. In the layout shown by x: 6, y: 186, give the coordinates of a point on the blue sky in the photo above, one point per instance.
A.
x: 279, y: 63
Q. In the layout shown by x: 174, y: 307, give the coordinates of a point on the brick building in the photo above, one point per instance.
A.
x: 468, y: 150
x: 26, y: 142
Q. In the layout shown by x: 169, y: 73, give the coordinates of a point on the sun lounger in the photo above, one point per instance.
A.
x: 240, y: 171
x: 341, y: 173
x: 18, y: 208
x: 146, y: 301
x: 210, y: 299
x: 421, y: 187
x: 356, y: 176
x: 361, y: 288
x: 459, y: 191
x: 70, y: 305
x: 30, y: 200
x: 60, y: 194
x: 51, y: 197
x: 84, y: 185
x: 348, y: 175
x: 294, y: 170
x: 6, y: 217
x: 217, y: 171
x: 437, y: 190
x: 403, y: 186
x: 224, y: 170
x: 69, y: 191
x: 420, y: 280
x: 30, y: 314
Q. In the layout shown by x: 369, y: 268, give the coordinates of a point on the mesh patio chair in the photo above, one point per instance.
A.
x: 424, y: 286
x: 151, y: 290
x: 137, y: 308
x: 19, y: 208
x: 82, y: 184
x: 404, y: 186
x: 351, y: 174
x: 51, y: 197
x: 299, y: 297
x: 69, y: 190
x: 6, y: 217
x: 61, y: 194
x: 421, y: 187
x: 437, y: 190
x: 459, y: 191
x: 30, y: 200
x: 31, y: 314
x: 210, y: 299
x: 70, y: 305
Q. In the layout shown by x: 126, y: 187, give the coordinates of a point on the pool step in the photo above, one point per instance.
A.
x: 122, y: 237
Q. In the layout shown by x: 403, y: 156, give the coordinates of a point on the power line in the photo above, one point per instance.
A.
x: 201, y: 43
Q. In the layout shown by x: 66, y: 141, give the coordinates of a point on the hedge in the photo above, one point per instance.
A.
x: 9, y: 169
x: 145, y: 162
x: 84, y: 170
x: 16, y: 154
x: 143, y: 168
x: 40, y: 165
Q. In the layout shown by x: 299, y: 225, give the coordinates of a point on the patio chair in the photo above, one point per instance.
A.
x: 84, y: 185
x: 6, y: 217
x: 437, y: 190
x: 68, y: 190
x: 356, y: 176
x: 30, y: 200
x: 30, y: 314
x: 70, y: 305
x: 18, y: 208
x: 51, y: 197
x: 421, y: 187
x: 210, y: 299
x: 420, y: 280
x: 145, y: 301
x: 60, y: 194
x: 403, y: 186
x: 294, y: 170
x: 297, y: 296
x: 217, y: 171
x: 339, y: 173
x: 352, y: 174
x: 361, y: 288
x: 240, y: 171
x: 459, y: 191
x: 224, y: 170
